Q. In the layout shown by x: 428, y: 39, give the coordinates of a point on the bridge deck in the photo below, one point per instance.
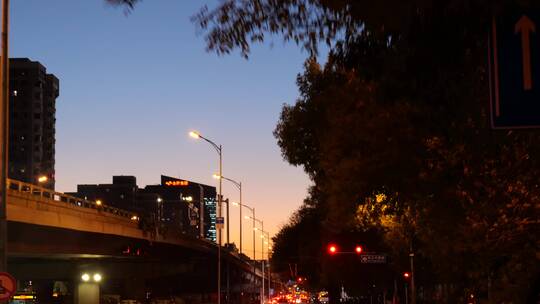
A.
x: 34, y: 205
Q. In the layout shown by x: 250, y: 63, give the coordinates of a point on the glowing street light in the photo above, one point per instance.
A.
x: 194, y: 134
x: 42, y: 179
x: 219, y: 150
x: 99, y: 202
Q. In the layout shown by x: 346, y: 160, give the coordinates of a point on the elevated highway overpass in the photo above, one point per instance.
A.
x: 56, y: 237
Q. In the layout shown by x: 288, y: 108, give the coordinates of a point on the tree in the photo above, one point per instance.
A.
x: 297, y: 246
x: 401, y: 110
x: 429, y: 167
x: 128, y: 3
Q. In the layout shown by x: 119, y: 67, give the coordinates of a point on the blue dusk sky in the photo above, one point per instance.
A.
x: 132, y: 87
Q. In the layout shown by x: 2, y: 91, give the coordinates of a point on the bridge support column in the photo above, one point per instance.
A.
x: 87, y: 293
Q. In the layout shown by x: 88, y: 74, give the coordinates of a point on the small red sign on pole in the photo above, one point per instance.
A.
x: 8, y: 286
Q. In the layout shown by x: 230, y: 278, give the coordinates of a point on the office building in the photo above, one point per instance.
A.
x: 173, y: 207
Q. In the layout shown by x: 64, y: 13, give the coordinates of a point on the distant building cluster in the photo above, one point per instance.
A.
x: 174, y: 207
x: 32, y: 120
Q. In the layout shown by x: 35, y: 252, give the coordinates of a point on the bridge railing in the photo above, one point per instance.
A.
x: 27, y: 188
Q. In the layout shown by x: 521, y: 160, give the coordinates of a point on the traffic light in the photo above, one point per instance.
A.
x: 406, y: 275
x: 332, y: 249
x: 358, y: 249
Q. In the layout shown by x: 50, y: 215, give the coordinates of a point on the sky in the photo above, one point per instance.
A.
x: 133, y: 85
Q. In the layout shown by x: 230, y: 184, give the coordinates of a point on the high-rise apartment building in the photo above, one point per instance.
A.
x: 32, y: 120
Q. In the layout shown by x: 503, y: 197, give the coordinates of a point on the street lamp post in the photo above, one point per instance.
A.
x: 253, y: 230
x: 269, y: 271
x: 267, y: 245
x: 220, y: 153
x: 239, y: 186
x: 262, y: 262
x: 262, y: 254
x: 226, y: 201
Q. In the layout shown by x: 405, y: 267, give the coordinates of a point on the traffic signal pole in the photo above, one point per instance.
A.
x: 413, y: 290
x: 406, y: 294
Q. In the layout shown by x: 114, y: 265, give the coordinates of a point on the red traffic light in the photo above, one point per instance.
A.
x: 406, y: 275
x: 358, y: 249
x: 332, y: 249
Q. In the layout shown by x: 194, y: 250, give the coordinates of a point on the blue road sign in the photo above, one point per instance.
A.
x: 514, y: 69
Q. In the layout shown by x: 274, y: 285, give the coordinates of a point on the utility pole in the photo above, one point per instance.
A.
x: 413, y: 290
x: 219, y: 229
x: 4, y: 119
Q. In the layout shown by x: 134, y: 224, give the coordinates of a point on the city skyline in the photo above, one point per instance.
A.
x: 106, y: 127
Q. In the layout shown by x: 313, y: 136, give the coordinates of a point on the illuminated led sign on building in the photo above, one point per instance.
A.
x: 176, y: 183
